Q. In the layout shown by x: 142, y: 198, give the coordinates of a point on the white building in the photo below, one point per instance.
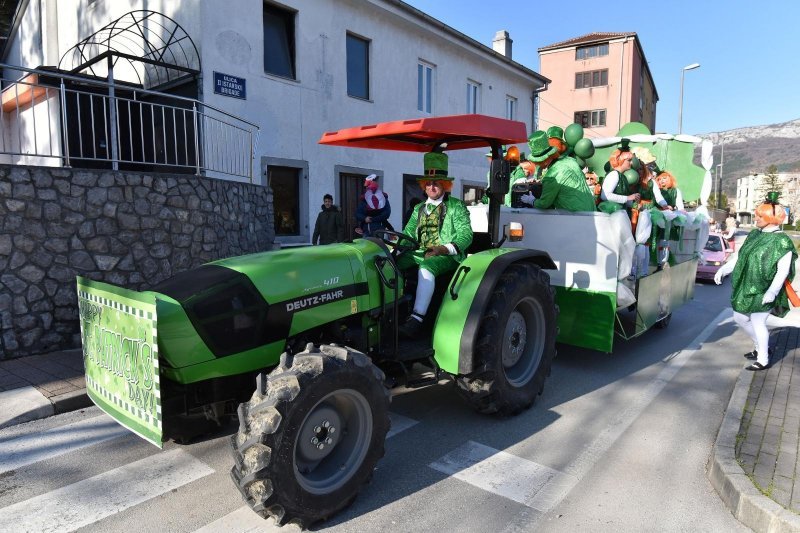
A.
x: 300, y: 68
x: 750, y: 193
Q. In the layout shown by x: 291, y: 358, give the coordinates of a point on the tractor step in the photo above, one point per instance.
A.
x: 422, y: 380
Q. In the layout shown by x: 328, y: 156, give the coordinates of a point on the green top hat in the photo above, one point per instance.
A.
x: 773, y: 197
x: 555, y: 132
x: 540, y: 148
x: 435, y: 167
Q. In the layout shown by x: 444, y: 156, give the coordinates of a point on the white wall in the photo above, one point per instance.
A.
x: 293, y: 114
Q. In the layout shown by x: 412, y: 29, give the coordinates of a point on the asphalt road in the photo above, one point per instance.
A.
x: 616, y: 442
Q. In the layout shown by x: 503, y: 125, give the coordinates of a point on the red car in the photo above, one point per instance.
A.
x: 715, y: 253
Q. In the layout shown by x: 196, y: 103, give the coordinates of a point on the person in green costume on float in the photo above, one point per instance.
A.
x: 764, y: 262
x: 442, y: 226
x: 563, y: 183
x: 616, y: 193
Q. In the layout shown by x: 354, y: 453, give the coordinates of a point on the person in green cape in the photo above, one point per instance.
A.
x: 442, y: 226
x: 563, y: 183
x: 764, y: 262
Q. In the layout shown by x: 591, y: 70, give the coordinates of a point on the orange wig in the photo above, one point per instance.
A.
x: 446, y: 185
x: 771, y: 213
x: 558, y: 143
x: 617, y: 157
x: 666, y: 180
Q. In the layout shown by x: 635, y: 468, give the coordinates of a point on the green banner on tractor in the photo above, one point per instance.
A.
x: 120, y: 354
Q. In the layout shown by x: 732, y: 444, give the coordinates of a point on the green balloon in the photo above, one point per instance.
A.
x: 631, y: 176
x: 584, y: 148
x: 573, y: 134
x: 635, y: 163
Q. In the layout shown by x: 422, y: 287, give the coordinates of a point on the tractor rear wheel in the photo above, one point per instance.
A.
x: 310, y: 436
x: 515, y: 344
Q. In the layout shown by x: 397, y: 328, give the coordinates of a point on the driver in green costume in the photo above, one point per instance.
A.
x: 441, y: 225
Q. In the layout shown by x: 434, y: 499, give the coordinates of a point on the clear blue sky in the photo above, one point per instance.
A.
x: 749, y: 52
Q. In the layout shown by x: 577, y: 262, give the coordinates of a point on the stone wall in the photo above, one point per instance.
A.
x: 129, y: 229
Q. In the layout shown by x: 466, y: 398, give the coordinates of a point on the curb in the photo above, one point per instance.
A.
x: 71, y: 401
x: 736, y: 490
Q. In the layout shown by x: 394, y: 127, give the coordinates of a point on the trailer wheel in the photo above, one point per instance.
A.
x: 515, y: 344
x: 310, y: 436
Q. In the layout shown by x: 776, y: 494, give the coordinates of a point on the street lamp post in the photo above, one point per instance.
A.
x: 680, y: 103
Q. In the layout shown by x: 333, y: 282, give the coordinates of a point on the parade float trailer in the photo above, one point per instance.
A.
x: 302, y: 344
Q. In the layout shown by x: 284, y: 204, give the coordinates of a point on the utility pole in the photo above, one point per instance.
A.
x: 719, y: 173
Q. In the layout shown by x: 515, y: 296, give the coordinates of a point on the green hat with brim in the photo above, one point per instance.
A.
x: 540, y: 148
x: 435, y: 167
x: 555, y: 132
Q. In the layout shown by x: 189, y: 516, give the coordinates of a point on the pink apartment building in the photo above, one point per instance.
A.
x: 599, y: 80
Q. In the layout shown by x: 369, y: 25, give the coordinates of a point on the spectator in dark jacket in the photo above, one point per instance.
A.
x: 329, y: 227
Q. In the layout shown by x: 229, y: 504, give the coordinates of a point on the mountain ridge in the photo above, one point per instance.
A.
x: 752, y: 149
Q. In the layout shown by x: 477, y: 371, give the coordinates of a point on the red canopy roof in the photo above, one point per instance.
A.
x: 424, y: 134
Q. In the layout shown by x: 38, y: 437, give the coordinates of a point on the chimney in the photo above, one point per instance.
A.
x: 502, y: 43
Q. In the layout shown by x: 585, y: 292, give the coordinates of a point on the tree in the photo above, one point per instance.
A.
x: 769, y: 182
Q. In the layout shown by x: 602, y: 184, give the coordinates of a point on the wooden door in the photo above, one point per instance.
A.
x: 351, y: 187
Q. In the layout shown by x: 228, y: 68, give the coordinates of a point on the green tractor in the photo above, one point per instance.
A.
x: 316, y: 330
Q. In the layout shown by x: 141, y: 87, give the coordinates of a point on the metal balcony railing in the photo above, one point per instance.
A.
x: 54, y: 119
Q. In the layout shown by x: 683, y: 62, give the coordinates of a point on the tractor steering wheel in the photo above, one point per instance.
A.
x: 397, y: 243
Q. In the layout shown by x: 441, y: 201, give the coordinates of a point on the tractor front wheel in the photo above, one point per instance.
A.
x: 515, y: 345
x: 310, y: 436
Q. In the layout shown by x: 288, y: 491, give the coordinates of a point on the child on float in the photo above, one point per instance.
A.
x: 670, y: 191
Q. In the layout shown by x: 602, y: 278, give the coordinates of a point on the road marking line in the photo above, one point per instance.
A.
x: 244, y: 520
x: 29, y: 449
x: 512, y: 477
x: 90, y: 500
x: 606, y: 439
x: 399, y: 423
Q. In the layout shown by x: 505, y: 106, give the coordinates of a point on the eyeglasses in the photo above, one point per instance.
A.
x: 432, y: 184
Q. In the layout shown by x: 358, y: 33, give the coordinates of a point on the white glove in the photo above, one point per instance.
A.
x: 768, y: 298
x: 527, y: 198
x: 718, y: 277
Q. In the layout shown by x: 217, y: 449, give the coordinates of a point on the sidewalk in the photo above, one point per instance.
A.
x: 39, y: 386
x: 753, y: 465
x: 754, y: 461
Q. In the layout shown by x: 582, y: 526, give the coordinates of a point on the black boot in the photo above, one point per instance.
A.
x: 412, y: 327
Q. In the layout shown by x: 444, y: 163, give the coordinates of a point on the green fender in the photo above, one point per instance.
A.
x: 467, y: 295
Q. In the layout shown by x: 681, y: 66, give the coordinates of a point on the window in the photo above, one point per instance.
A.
x: 591, y: 119
x: 279, y: 41
x: 511, y: 108
x: 473, y: 93
x: 472, y: 194
x: 425, y: 87
x: 588, y: 52
x: 357, y: 67
x: 592, y: 78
